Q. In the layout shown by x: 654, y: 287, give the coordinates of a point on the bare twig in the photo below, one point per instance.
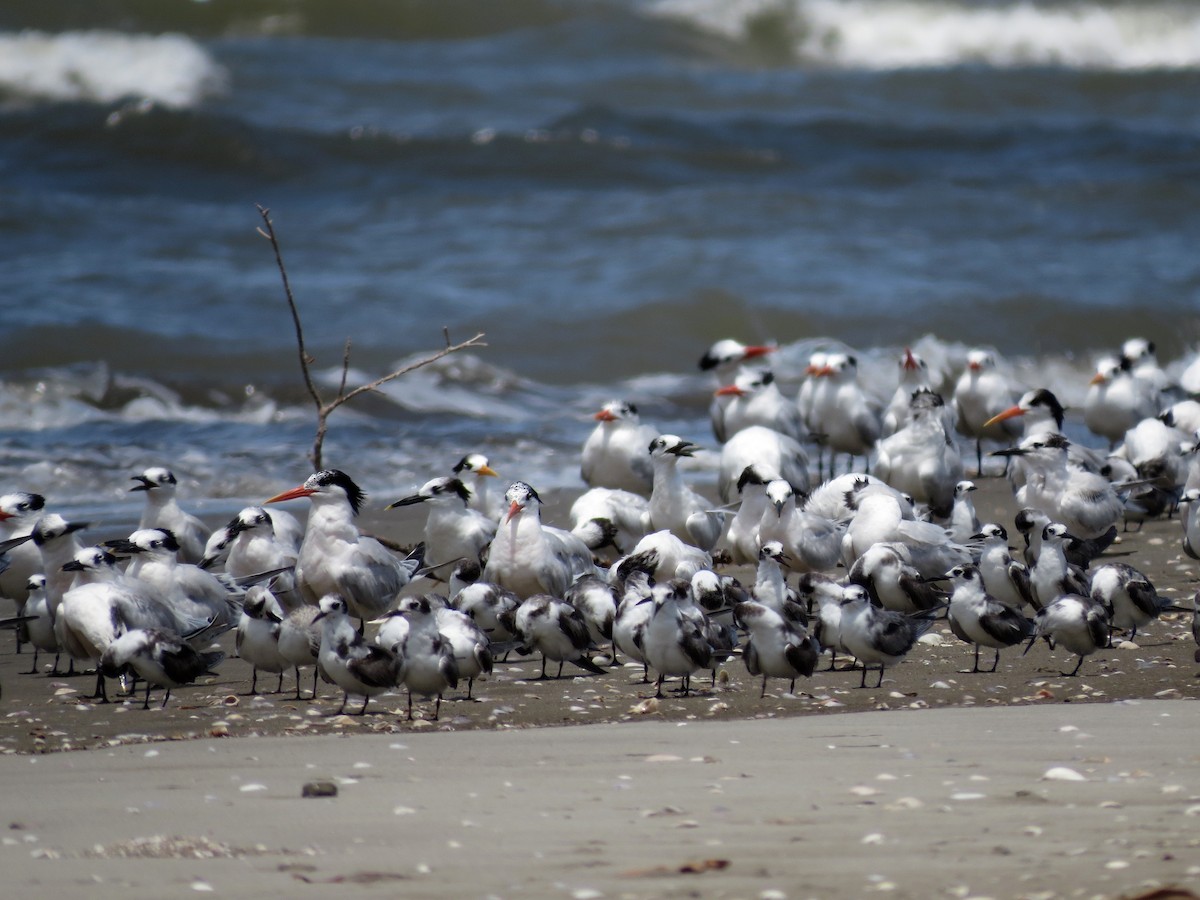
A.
x: 325, y: 408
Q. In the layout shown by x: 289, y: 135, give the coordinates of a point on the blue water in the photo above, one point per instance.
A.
x: 603, y: 188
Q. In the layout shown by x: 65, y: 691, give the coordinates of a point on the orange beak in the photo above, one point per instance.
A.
x: 759, y: 350
x: 909, y: 362
x: 294, y: 494
x: 5, y: 515
x: 974, y: 366
x: 824, y: 372
x: 487, y: 470
x: 730, y: 390
x: 512, y: 511
x: 1098, y: 378
x: 1007, y: 414
x: 605, y: 416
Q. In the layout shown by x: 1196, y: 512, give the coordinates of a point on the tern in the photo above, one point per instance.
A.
x: 614, y: 454
x: 162, y: 510
x: 755, y: 399
x: 41, y: 627
x: 452, y: 529
x: 489, y: 605
x: 981, y: 394
x: 430, y: 668
x: 300, y: 642
x: 876, y: 636
x: 258, y: 635
x: 1076, y: 622
x: 914, y: 376
x: 892, y: 582
x: 920, y: 459
x: 741, y: 536
x: 827, y: 593
x: 19, y: 512
x: 844, y: 417
x: 963, y: 522
x: 596, y: 600
x: 160, y: 658
x: 476, y: 474
x: 1052, y: 575
x: 347, y: 660
x: 980, y: 619
x: 1004, y: 578
x: 555, y: 629
x: 336, y: 558
x: 527, y: 557
x: 674, y: 643
x: 726, y: 356
x: 632, y: 618
x: 1117, y: 400
x: 776, y: 647
x: 674, y: 506
x: 1128, y: 596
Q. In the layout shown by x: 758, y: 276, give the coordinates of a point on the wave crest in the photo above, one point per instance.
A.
x: 107, y: 66
x: 901, y: 34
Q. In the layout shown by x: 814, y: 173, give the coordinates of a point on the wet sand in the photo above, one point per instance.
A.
x: 569, y: 822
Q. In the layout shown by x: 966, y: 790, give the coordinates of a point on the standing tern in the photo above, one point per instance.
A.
x: 920, y: 459
x: 1117, y: 400
x: 257, y: 639
x: 914, y: 376
x: 755, y: 399
x: 477, y: 475
x: 1085, y: 502
x: 1128, y: 596
x: 893, y: 583
x: 674, y: 506
x: 430, y: 668
x: 844, y: 418
x: 527, y: 557
x: 555, y: 629
x: 674, y: 644
x: 1078, y: 623
x: 614, y: 454
x: 41, y: 627
x: 981, y: 394
x: 347, y: 660
x: 980, y: 619
x: 160, y: 658
x: 741, y: 536
x: 162, y: 510
x: 1003, y: 577
x: 19, y: 512
x: 452, y: 529
x: 776, y: 647
x: 336, y: 558
x: 876, y: 636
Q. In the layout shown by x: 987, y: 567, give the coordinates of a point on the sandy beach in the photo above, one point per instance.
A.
x: 935, y: 785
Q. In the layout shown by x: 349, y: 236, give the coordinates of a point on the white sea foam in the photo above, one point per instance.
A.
x: 106, y: 66
x: 899, y: 34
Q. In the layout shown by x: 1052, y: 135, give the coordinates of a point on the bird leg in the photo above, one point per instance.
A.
x: 763, y: 692
x: 437, y: 707
x: 279, y: 687
x: 33, y: 670
x: 314, y: 693
x: 1074, y: 671
x: 996, y: 661
x: 166, y: 697
x: 253, y: 682
x: 366, y: 700
x: 975, y: 668
x: 879, y: 683
x: 146, y: 702
x: 410, y: 718
x: 659, y: 694
x: 101, y: 694
x: 863, y: 683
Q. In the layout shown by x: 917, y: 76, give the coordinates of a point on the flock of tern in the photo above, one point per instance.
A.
x: 858, y: 564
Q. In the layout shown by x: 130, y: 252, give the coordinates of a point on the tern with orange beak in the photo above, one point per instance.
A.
x: 336, y: 558
x: 614, y: 454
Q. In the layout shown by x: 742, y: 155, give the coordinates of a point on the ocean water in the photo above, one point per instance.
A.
x: 602, y: 187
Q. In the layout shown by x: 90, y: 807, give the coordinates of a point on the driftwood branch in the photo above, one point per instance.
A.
x: 323, y: 407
